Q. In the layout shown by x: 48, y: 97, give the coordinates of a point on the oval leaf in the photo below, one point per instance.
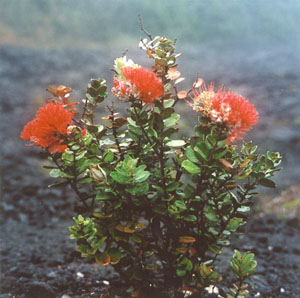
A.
x: 267, y: 183
x: 190, y: 167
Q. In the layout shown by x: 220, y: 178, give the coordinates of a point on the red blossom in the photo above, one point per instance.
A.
x: 49, y: 127
x: 121, y: 89
x: 226, y: 107
x: 236, y: 111
x: 146, y: 83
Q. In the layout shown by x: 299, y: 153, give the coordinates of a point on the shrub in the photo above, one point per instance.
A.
x: 156, y: 208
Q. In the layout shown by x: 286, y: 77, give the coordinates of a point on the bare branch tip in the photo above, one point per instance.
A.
x: 142, y: 27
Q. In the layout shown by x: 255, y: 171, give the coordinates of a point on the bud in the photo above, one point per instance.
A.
x: 98, y: 174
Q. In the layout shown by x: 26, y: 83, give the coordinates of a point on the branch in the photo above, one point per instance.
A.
x: 114, y: 130
x: 142, y: 27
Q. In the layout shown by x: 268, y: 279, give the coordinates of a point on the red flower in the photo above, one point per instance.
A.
x: 238, y: 114
x: 49, y: 127
x: 202, y: 96
x: 228, y: 108
x: 121, y: 89
x: 146, y: 82
x: 28, y: 132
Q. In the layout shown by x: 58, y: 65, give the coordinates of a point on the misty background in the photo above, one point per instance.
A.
x: 102, y: 23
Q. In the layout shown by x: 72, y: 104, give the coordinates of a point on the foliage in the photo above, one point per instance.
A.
x: 158, y: 209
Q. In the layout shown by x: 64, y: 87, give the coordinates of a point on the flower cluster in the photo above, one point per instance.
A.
x: 225, y: 107
x: 49, y: 128
x: 139, y: 83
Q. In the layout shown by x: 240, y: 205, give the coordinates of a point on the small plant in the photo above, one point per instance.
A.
x: 157, y: 208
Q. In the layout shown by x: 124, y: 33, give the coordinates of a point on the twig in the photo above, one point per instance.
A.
x: 114, y: 130
x: 142, y: 27
x: 72, y: 183
x: 124, y: 52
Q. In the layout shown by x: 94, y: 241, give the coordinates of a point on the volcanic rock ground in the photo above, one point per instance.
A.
x: 38, y: 260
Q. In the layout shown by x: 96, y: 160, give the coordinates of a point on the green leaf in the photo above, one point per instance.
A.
x: 135, y: 238
x: 82, y: 165
x: 267, y: 183
x: 243, y: 209
x: 211, y: 217
x: 86, y: 180
x: 58, y: 184
x: 220, y: 153
x: 118, y: 205
x: 141, y: 177
x: 190, y: 167
x: 139, y: 189
x: 162, y: 62
x: 168, y: 103
x: 190, y: 218
x: 169, y: 132
x: 180, y: 272
x: 180, y: 204
x: 148, y: 254
x: 135, y: 130
x: 189, y: 190
x: 151, y: 267
x: 131, y: 121
x: 55, y: 173
x: 122, y: 179
x: 97, y: 243
x: 90, y: 98
x: 176, y: 143
x: 152, y: 133
x: 188, y: 264
x: 80, y: 155
x: 87, y: 139
x: 202, y: 150
x: 215, y: 249
x: 103, y: 196
x: 244, y: 174
x: 173, y: 186
x: 93, y: 148
x: 210, y: 141
x: 75, y: 147
x: 66, y: 175
x: 190, y: 154
x: 68, y: 156
x: 222, y: 241
x: 133, y: 136
x: 171, y: 121
x: 108, y: 156
x: 222, y: 143
x: 235, y: 222
x: 115, y: 255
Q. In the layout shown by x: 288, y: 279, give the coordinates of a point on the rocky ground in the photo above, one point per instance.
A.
x: 37, y: 258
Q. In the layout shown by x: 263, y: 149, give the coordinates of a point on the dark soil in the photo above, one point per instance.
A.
x: 37, y: 258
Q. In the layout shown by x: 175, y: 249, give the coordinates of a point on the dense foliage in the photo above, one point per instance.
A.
x: 158, y: 209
